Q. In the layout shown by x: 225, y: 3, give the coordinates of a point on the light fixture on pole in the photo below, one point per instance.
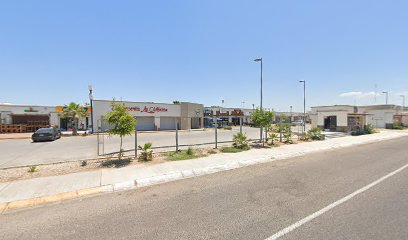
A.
x: 91, y: 101
x: 304, y: 104
x: 386, y: 97
x: 260, y: 60
x: 290, y: 114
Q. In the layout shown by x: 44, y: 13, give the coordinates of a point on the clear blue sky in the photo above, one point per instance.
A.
x: 203, y: 51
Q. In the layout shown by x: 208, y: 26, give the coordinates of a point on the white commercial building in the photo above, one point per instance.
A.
x: 345, y: 118
x: 28, y: 118
x: 153, y: 116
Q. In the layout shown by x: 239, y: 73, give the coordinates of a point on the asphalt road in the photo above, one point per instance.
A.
x: 248, y: 203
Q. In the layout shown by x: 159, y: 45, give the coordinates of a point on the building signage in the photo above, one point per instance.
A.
x: 60, y: 109
x: 30, y: 110
x: 147, y: 109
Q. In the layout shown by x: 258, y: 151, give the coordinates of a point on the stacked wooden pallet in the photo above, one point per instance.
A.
x: 33, y: 126
x: 13, y: 128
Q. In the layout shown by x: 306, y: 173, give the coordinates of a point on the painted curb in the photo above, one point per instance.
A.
x: 48, y: 199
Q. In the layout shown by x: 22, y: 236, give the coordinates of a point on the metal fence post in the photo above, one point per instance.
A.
x: 177, y: 143
x: 103, y: 144
x: 280, y: 130
x: 135, y: 141
x: 240, y: 125
x: 216, y: 133
x: 97, y: 144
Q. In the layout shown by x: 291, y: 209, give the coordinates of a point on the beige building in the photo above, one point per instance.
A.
x: 153, y: 116
x: 29, y: 118
x: 346, y: 118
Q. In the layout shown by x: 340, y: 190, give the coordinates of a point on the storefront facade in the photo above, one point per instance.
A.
x: 226, y: 116
x: 153, y: 116
x: 26, y: 118
x: 345, y: 118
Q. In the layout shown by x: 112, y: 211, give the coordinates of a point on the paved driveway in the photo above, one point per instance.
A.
x: 22, y: 152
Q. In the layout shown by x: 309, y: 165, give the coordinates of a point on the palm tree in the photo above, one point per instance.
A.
x: 75, y: 112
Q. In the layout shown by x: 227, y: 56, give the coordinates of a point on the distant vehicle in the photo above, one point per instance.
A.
x: 297, y: 122
x: 46, y: 134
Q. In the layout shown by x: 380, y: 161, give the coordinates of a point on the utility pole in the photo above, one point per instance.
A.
x: 304, y: 104
x: 91, y: 102
x: 260, y: 60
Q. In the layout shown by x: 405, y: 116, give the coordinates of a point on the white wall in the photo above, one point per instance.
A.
x: 54, y: 119
x: 137, y: 109
x: 341, y: 117
x: 379, y: 118
x: 7, y: 110
x: 25, y: 109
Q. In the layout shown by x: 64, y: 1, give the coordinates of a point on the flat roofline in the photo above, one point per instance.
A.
x: 123, y: 101
x: 335, y: 106
x: 363, y: 106
x: 24, y: 105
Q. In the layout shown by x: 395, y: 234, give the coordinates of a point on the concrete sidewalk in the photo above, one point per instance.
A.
x: 10, y: 136
x: 25, y: 193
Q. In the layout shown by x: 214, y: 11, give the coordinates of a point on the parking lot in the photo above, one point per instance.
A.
x: 22, y: 152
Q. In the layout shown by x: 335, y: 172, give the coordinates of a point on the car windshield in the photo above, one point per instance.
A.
x: 44, y: 130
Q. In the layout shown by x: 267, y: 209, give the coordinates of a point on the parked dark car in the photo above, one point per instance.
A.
x: 46, y: 134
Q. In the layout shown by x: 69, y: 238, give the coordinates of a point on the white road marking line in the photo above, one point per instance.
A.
x: 333, y: 205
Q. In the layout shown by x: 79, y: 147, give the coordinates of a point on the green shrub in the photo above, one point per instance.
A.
x: 190, y: 151
x: 369, y: 129
x: 240, y: 141
x: 231, y: 150
x: 399, y: 127
x: 184, y: 155
x: 358, y: 132
x: 288, y: 138
x: 147, y: 153
x: 315, y: 134
x: 274, y: 137
x: 227, y: 128
x: 304, y: 137
x: 32, y: 169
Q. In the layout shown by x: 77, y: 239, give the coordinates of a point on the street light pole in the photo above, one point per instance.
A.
x: 290, y: 114
x: 386, y: 97
x: 260, y: 60
x: 403, y: 102
x: 91, y: 101
x: 304, y: 104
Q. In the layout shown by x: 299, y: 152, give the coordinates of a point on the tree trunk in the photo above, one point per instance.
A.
x: 120, y: 150
x: 74, y: 128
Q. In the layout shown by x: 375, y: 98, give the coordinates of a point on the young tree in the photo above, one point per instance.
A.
x: 262, y: 118
x: 75, y: 112
x: 121, y: 121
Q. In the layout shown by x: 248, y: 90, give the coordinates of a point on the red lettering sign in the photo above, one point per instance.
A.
x: 147, y: 109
